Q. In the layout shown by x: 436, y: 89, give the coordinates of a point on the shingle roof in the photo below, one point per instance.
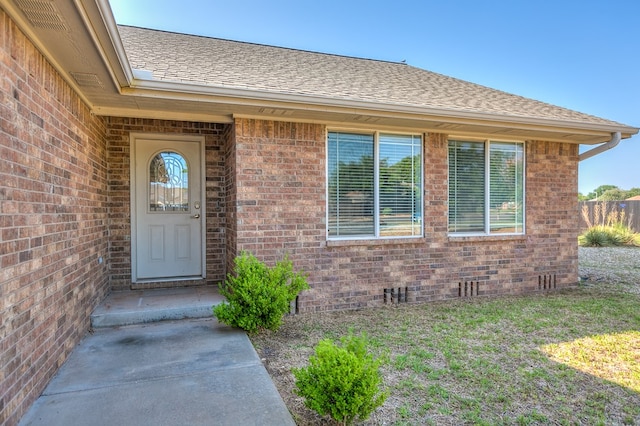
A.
x: 173, y: 57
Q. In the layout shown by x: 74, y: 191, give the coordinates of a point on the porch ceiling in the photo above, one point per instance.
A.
x: 81, y: 40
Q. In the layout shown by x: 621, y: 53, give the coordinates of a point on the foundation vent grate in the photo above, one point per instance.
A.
x: 468, y: 288
x: 294, y: 306
x: 547, y: 282
x: 396, y: 295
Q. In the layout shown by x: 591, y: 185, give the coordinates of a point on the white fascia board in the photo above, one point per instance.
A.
x: 107, y: 20
x: 234, y: 95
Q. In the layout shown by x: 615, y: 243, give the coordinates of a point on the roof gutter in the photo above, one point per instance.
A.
x: 615, y: 140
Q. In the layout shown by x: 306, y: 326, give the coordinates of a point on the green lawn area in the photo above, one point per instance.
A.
x: 564, y: 357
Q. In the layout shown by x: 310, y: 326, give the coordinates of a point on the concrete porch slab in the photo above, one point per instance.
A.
x: 122, y: 308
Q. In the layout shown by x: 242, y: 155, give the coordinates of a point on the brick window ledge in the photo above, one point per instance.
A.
x: 376, y: 242
x: 486, y: 238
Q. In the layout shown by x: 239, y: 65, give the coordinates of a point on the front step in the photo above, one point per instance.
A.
x: 143, y: 306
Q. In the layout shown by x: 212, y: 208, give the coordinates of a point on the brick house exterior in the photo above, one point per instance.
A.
x: 65, y: 190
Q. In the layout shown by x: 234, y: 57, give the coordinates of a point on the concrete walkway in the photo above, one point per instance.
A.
x: 189, y: 372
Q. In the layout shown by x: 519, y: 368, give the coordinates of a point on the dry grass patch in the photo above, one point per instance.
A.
x: 486, y: 361
x: 614, y: 357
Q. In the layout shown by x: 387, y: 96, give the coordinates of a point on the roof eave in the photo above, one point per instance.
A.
x: 309, y: 103
x: 164, y: 99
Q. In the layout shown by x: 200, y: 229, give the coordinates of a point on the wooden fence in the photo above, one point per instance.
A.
x: 599, y: 212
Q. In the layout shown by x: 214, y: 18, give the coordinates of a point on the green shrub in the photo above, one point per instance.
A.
x: 341, y: 380
x: 616, y: 234
x: 258, y: 296
x: 623, y: 234
x: 595, y: 236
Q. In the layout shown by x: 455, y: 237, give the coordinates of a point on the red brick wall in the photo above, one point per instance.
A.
x: 53, y: 220
x: 118, y: 155
x: 280, y: 192
x: 230, y: 197
x: 552, y: 207
x: 281, y: 204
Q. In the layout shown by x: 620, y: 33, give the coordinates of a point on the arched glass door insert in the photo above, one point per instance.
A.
x: 168, y: 183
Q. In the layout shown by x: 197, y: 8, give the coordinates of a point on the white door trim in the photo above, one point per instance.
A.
x: 133, y: 137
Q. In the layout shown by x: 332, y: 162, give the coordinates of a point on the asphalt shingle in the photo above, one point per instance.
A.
x: 173, y: 57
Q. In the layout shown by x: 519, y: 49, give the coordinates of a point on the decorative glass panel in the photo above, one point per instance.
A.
x: 168, y: 183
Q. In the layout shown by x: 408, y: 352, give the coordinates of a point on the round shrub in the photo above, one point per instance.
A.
x: 342, y: 381
x: 258, y: 296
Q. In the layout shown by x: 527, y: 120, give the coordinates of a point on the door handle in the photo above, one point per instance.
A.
x: 196, y: 216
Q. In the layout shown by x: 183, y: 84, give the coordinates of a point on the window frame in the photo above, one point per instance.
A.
x: 376, y: 178
x: 487, y: 187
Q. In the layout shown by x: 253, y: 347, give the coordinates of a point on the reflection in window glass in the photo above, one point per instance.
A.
x: 351, y: 185
x: 466, y: 186
x: 486, y: 187
x: 168, y: 183
x: 374, y: 185
x: 400, y: 185
x: 507, y: 188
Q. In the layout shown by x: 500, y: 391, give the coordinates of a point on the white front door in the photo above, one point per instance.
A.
x: 168, y: 208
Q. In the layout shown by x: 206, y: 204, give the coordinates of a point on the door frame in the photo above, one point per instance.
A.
x: 169, y: 137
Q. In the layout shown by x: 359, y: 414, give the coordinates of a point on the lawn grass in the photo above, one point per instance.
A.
x: 566, y: 357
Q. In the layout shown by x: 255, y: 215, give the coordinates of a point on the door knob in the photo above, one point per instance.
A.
x: 196, y: 216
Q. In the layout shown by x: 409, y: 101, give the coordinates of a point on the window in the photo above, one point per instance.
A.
x: 374, y: 185
x: 486, y: 187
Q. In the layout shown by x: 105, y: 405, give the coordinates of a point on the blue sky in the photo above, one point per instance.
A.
x: 579, y: 54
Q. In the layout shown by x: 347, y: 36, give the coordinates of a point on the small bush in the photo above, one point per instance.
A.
x: 624, y: 235
x: 341, y: 380
x: 595, y: 237
x: 258, y: 296
x: 616, y: 234
x: 608, y: 227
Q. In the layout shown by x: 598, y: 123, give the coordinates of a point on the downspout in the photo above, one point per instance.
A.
x: 615, y: 140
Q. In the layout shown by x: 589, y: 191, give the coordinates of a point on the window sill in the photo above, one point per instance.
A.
x: 485, y: 238
x: 376, y: 242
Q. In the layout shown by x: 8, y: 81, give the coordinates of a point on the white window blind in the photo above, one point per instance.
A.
x: 374, y: 185
x: 400, y: 185
x: 351, y: 184
x: 466, y: 186
x: 486, y: 187
x: 506, y: 187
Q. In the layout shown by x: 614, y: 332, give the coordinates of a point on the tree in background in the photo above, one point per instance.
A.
x: 597, y: 193
x: 633, y: 192
x: 613, y: 194
x: 609, y: 193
